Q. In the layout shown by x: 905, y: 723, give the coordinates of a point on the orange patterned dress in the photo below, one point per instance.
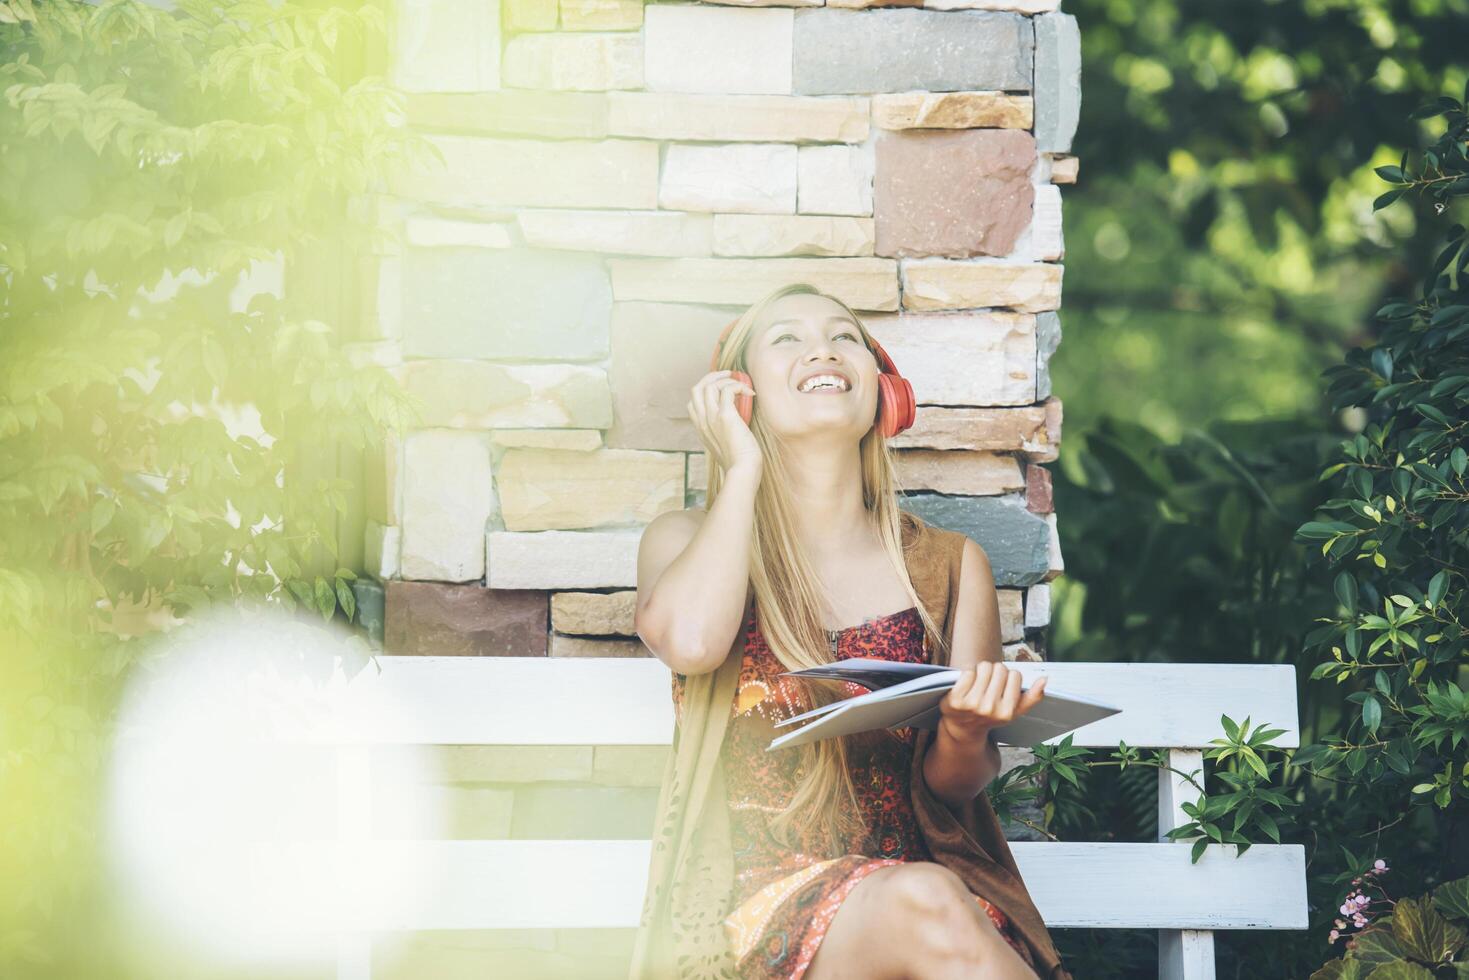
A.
x: 784, y: 901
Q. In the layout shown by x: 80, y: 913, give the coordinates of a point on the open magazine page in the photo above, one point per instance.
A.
x: 905, y: 695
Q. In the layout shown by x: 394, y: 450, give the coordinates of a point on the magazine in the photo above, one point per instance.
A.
x: 907, y: 695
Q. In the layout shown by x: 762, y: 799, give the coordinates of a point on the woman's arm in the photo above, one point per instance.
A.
x: 964, y: 758
x: 694, y: 577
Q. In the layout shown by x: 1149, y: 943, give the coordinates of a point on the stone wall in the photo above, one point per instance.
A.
x: 620, y: 179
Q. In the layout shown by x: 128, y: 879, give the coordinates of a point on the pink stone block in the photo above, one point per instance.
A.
x: 959, y: 193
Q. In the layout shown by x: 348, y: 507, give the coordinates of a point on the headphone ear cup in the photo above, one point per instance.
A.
x: 896, y: 407
x: 744, y: 403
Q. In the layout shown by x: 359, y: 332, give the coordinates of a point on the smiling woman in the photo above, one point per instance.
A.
x: 840, y: 857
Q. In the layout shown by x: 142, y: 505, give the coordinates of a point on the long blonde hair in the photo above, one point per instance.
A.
x: 788, y: 593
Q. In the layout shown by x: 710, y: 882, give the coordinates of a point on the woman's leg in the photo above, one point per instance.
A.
x: 914, y: 921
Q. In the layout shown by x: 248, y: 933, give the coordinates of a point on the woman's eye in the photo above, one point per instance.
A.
x: 842, y: 334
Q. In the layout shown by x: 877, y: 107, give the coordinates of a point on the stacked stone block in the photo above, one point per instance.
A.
x: 615, y: 181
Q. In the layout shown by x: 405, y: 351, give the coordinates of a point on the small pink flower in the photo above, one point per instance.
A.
x: 1339, y: 924
x: 1345, y: 909
x: 1334, y: 935
x: 1363, y: 900
x: 1380, y: 864
x: 1359, y: 921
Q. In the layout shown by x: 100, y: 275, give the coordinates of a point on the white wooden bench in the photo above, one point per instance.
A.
x: 527, y: 884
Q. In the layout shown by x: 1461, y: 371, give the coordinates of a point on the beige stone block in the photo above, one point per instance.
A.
x: 448, y: 495
x: 555, y: 489
x: 997, y: 366
x: 955, y: 284
x: 713, y: 116
x: 698, y: 471
x: 863, y: 283
x: 766, y: 3
x: 1043, y: 241
x: 835, y: 179
x: 792, y: 234
x: 1064, y: 169
x: 699, y: 48
x: 555, y: 114
x: 445, y: 46
x: 576, y: 646
x: 630, y: 765
x: 481, y: 172
x: 581, y: 62
x: 380, y: 547
x: 665, y: 233
x: 601, y: 15
x: 1038, y: 606
x: 581, y: 440
x: 427, y: 232
x: 529, y: 15
x: 1058, y: 563
x: 563, y: 560
x: 594, y: 613
x: 659, y: 351
x: 952, y: 110
x: 1024, y: 429
x: 1018, y: 6
x: 1021, y: 651
x: 749, y: 177
x: 481, y: 395
x: 973, y: 474
x: 1012, y: 615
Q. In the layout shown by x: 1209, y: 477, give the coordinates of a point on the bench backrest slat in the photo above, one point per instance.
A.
x: 627, y: 701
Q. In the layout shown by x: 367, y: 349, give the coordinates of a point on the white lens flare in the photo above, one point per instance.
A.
x: 240, y: 797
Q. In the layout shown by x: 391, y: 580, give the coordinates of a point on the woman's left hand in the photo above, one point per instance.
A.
x: 986, y: 696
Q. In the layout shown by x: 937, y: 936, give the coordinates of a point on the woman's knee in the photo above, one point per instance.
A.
x: 925, y: 888
x: 939, y: 910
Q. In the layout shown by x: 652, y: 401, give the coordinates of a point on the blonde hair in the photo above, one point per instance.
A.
x: 788, y: 593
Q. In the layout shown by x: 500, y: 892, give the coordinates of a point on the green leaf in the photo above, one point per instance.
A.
x: 1423, y: 933
x: 1376, y: 944
x: 347, y: 600
x: 1401, y: 970
x: 326, y: 600
x: 1452, y: 899
x: 1371, y: 713
x: 1384, y: 200
x: 1342, y: 969
x: 1345, y: 587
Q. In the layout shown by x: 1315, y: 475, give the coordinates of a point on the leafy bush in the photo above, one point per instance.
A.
x: 1418, y: 939
x: 160, y: 448
x: 1396, y: 529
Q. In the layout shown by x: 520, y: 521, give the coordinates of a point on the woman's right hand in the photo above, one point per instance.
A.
x: 726, y: 438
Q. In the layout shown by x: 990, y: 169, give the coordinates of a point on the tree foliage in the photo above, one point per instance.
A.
x: 158, y: 423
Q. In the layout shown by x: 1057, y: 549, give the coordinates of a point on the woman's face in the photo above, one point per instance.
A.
x: 806, y: 335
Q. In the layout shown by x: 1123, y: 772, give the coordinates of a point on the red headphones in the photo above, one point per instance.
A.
x: 896, y: 407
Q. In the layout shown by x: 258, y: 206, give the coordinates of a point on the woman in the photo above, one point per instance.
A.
x: 852, y: 857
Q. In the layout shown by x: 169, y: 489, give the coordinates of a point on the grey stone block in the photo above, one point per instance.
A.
x: 1057, y: 81
x: 1047, y: 339
x: 505, y: 304
x: 369, y: 616
x: 1016, y: 541
x: 903, y: 49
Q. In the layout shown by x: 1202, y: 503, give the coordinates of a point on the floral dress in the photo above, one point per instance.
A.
x: 784, y: 901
